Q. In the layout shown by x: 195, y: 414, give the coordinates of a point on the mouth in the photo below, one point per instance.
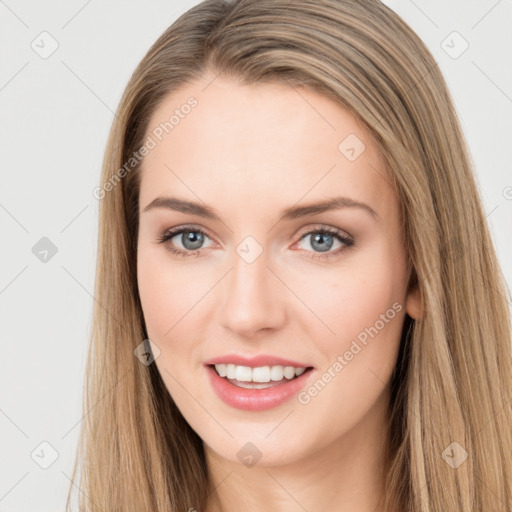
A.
x: 261, y: 377
x: 257, y: 388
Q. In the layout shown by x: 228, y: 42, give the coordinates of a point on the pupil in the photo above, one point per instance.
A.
x: 322, y: 247
x: 196, y: 239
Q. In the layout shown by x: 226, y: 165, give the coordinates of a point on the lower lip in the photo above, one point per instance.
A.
x: 255, y: 399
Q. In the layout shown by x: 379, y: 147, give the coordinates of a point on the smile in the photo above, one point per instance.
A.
x: 272, y: 375
x: 256, y: 388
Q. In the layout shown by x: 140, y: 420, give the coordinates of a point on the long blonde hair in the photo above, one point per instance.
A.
x: 453, y: 379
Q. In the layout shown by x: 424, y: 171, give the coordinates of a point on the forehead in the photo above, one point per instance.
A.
x: 215, y: 139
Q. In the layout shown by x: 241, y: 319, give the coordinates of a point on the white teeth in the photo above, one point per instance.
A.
x: 277, y: 373
x: 289, y: 372
x: 261, y: 374
x: 230, y: 371
x: 221, y: 369
x: 243, y: 373
x: 258, y: 374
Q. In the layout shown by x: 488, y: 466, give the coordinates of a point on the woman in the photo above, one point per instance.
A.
x: 299, y: 306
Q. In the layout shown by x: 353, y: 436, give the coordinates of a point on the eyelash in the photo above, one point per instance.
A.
x: 324, y: 230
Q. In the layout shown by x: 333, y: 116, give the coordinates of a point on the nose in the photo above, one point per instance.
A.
x: 253, y: 298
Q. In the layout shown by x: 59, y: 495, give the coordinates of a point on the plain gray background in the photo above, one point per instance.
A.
x: 56, y: 112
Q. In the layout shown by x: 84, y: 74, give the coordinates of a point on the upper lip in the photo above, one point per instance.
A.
x: 255, y: 361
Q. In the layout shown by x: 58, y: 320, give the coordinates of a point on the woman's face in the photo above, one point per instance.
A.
x: 256, y: 282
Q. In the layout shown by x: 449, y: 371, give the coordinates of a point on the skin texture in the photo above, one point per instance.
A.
x: 249, y: 152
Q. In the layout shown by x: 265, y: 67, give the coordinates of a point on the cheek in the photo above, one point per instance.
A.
x: 363, y: 306
x: 166, y: 293
x: 167, y: 299
x: 353, y: 297
x: 176, y: 303
x: 152, y: 285
x: 358, y: 360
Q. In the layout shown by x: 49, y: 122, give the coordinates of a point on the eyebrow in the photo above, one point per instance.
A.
x: 290, y: 213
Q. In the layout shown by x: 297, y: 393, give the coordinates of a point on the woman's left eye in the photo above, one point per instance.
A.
x: 323, y: 239
x: 191, y: 239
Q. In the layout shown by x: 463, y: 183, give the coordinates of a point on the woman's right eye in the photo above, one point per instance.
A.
x: 191, y: 240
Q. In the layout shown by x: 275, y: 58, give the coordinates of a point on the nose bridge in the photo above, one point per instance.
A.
x: 252, y: 299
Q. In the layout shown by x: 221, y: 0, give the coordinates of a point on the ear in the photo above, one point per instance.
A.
x: 413, y: 304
